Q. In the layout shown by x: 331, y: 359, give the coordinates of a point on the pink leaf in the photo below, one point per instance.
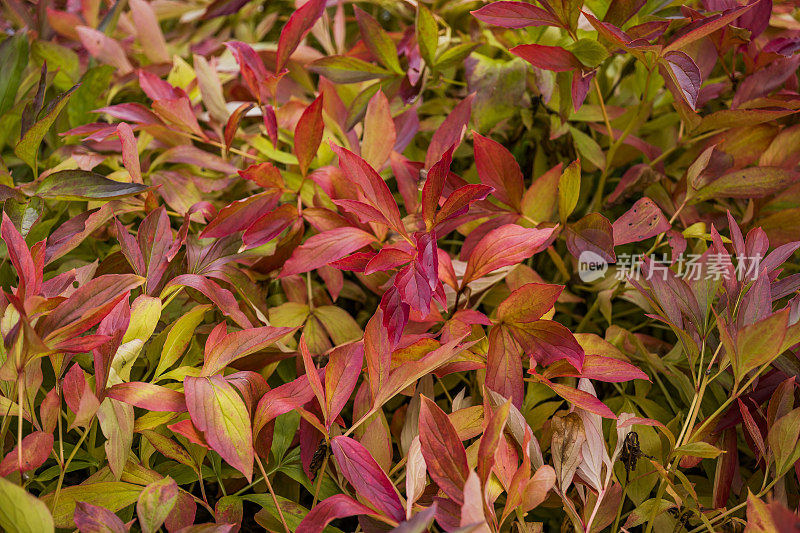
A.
x: 95, y: 519
x: 341, y: 376
x: 130, y: 153
x: 337, y: 506
x: 240, y: 344
x: 148, y: 396
x: 687, y: 75
x: 460, y: 201
x: 504, y: 246
x: 581, y: 399
x: 443, y: 451
x: 379, y: 132
x: 325, y: 248
x: 504, y: 366
x: 360, y: 469
x: 104, y: 49
x: 36, y: 448
x: 375, y: 190
x: 514, y: 15
x: 222, y: 298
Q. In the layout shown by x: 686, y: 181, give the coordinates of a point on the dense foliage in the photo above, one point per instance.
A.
x: 399, y: 265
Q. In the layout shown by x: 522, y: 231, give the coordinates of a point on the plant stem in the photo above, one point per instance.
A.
x: 272, y: 493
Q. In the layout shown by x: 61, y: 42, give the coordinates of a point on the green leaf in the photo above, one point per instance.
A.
x: 113, y: 495
x: 13, y: 57
x: 155, y: 504
x: 498, y: 85
x: 89, y: 96
x: 84, y: 185
x: 753, y: 182
x: 60, y: 59
x: 28, y: 146
x: 699, y: 449
x: 343, y: 69
x: 589, y: 52
x: 179, y: 337
x: 21, y: 512
x: 569, y: 188
x: 760, y: 343
x: 377, y: 40
x: 588, y: 148
x: 427, y: 34
x: 783, y: 441
x: 454, y: 56
x: 338, y: 323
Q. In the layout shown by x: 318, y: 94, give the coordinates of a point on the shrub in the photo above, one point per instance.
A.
x: 448, y: 266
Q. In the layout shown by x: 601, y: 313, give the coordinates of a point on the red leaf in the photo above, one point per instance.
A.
x: 148, y: 396
x: 250, y: 65
x: 240, y: 215
x: 375, y: 190
x: 222, y: 298
x: 220, y: 414
x: 233, y: 123
x: 490, y: 440
x: 599, y: 368
x: 514, y: 15
x: 282, y: 399
x: 369, y: 481
x: 341, y: 375
x: 312, y: 372
x: 706, y: 26
x: 434, y: 184
x: 581, y: 399
x: 640, y: 222
x: 240, y: 344
x: 460, y: 200
x: 552, y: 58
x: 36, y: 449
x: 325, y: 248
x: 21, y: 259
x: 443, y: 451
x: 328, y: 510
x: 504, y: 246
x: 504, y: 366
x: 395, y: 314
x: 752, y: 429
x: 450, y: 132
x: 528, y: 303
x: 130, y: 153
x: 581, y: 83
x: 548, y: 341
x: 296, y: 28
x: 87, y: 306
x: 498, y: 168
x: 269, y: 226
x: 308, y: 133
x: 265, y: 175
x: 377, y: 351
